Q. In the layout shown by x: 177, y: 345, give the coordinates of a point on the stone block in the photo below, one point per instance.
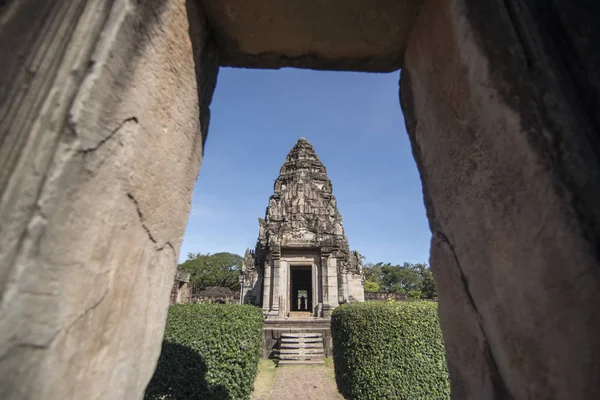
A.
x: 105, y: 111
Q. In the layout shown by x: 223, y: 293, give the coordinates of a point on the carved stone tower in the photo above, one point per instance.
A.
x: 302, y: 264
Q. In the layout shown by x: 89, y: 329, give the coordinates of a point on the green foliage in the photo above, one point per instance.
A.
x: 371, y: 286
x: 373, y: 273
x: 427, y: 282
x: 219, y: 269
x: 389, y: 350
x: 210, y: 351
x: 414, y: 294
x: 401, y: 278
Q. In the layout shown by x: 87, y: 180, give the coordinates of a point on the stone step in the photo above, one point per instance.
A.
x: 302, y: 340
x: 300, y: 357
x: 301, y: 362
x: 301, y: 335
x: 301, y: 351
x: 301, y: 314
x: 301, y: 346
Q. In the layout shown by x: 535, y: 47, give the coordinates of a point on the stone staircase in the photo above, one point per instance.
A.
x: 301, y: 348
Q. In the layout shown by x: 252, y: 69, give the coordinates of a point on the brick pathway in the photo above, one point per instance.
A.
x: 304, y: 382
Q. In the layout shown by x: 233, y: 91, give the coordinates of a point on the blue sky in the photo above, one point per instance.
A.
x: 355, y: 124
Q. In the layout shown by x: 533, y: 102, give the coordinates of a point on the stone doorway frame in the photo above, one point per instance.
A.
x: 104, y: 112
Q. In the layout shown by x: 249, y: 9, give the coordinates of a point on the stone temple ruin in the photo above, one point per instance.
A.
x: 302, y: 264
x: 302, y: 267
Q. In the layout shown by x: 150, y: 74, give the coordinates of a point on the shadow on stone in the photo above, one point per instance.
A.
x: 181, y: 375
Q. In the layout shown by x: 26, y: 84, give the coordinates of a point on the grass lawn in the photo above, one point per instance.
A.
x: 330, y: 370
x: 263, y: 385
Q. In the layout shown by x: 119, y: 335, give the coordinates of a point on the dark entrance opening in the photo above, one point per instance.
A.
x: 301, y: 285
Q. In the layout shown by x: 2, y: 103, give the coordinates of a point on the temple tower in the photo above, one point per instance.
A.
x: 302, y: 266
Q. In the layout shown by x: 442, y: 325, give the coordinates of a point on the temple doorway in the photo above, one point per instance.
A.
x: 301, y: 289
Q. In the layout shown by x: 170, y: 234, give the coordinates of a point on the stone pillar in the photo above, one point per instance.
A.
x: 501, y: 104
x: 316, y: 289
x: 283, y: 288
x: 245, y: 287
x: 276, y: 291
x: 332, y: 286
x: 104, y: 115
x: 266, y: 306
x: 356, y: 288
x: 257, y: 286
x: 345, y: 293
x: 323, y: 284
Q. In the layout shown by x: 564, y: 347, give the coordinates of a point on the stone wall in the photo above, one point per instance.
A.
x: 104, y: 114
x: 382, y: 296
x: 216, y: 294
x: 180, y: 293
x: 505, y: 135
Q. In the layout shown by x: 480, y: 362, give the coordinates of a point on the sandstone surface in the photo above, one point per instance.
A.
x: 507, y: 150
x: 100, y: 147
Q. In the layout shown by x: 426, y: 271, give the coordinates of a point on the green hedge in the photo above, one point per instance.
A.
x: 391, y: 350
x: 210, y: 351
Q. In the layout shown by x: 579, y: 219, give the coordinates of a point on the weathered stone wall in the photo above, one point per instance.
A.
x: 251, y: 282
x: 100, y: 145
x: 355, y: 279
x: 383, y: 296
x: 180, y: 293
x: 504, y: 128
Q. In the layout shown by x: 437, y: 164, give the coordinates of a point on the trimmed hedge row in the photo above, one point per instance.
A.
x: 210, y: 351
x: 389, y: 351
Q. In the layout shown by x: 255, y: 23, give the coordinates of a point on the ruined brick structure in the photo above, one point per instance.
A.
x: 301, y: 248
x: 181, y: 291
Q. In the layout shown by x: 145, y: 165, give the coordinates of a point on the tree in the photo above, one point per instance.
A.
x: 371, y: 286
x: 219, y: 269
x: 373, y: 273
x: 407, y: 278
x: 427, y: 283
x: 400, y: 278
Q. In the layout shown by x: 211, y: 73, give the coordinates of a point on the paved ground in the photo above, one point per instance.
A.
x: 298, y: 382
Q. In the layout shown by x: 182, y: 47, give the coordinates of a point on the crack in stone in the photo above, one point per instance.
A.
x: 167, y: 244
x: 139, y: 211
x: 463, y: 278
x: 110, y: 136
x: 32, y: 346
x: 500, y: 389
x: 47, y: 345
x: 88, y: 310
x: 141, y: 216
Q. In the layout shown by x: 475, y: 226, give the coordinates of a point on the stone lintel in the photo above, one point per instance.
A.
x: 353, y: 35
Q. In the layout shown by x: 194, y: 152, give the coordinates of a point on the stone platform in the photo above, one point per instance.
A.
x: 275, y: 327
